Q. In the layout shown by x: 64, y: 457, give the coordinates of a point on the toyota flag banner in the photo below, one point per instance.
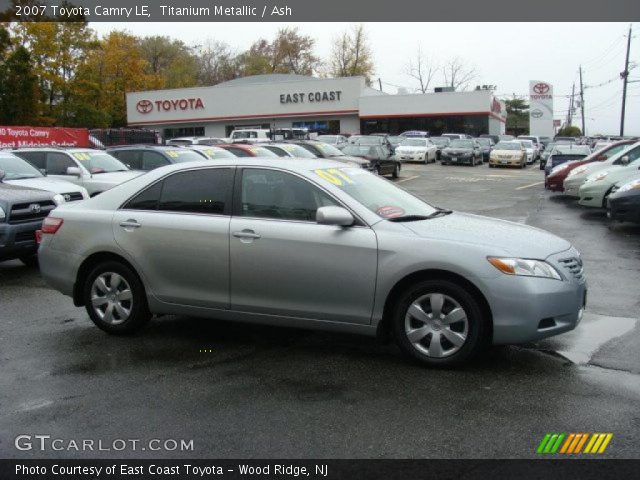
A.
x: 541, y: 109
x: 17, y: 137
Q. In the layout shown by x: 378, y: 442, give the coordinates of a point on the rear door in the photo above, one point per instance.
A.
x: 176, y: 233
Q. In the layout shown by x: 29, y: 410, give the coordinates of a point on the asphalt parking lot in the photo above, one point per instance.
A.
x: 251, y: 391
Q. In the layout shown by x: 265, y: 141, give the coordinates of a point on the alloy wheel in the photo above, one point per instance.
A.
x: 111, y: 298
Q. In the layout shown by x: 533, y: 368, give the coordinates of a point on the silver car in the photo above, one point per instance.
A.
x: 314, y: 244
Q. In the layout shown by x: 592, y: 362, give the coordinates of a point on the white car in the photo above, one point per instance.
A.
x: 530, y: 148
x: 417, y: 149
x: 338, y: 141
x: 94, y: 170
x: 537, y: 144
x: 17, y: 171
x: 251, y: 135
x: 186, y: 141
x: 597, y: 187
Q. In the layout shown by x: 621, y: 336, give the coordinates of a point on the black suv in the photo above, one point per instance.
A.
x: 21, y: 213
x: 148, y: 157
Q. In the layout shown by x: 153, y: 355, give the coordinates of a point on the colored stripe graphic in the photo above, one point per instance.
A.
x: 573, y: 443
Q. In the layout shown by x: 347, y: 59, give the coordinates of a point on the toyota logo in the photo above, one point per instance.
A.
x: 35, y: 208
x: 537, y: 113
x: 144, y: 106
x: 541, y: 88
x: 67, y: 197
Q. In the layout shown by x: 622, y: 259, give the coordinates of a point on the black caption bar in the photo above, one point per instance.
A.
x: 316, y: 469
x: 324, y: 11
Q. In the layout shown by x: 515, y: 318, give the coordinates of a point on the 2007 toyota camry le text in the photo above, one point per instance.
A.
x: 313, y: 244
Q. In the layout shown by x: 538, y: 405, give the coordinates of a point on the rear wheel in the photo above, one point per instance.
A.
x: 439, y: 323
x: 115, y: 298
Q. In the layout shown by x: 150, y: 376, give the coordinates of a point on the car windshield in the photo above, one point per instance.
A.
x: 263, y: 152
x: 328, y: 150
x: 526, y: 138
x: 414, y: 142
x: 215, y: 153
x: 378, y: 195
x: 527, y: 143
x: 183, y: 155
x: 459, y: 143
x: 295, y: 150
x: 359, y: 150
x: 331, y: 139
x: 508, y: 146
x: 99, y: 162
x: 549, y: 147
x: 571, y: 149
x: 369, y: 140
x: 485, y: 142
x: 440, y: 141
x: 15, y: 168
x: 395, y: 140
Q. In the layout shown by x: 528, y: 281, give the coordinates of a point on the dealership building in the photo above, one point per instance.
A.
x: 323, y: 105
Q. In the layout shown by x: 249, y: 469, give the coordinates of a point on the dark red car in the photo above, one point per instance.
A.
x: 555, y: 181
x: 248, y: 150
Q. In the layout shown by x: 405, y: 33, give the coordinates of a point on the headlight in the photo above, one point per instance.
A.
x: 524, y: 267
x: 2, y: 215
x: 58, y: 199
x: 635, y: 185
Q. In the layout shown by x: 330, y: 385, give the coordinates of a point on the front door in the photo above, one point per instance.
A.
x: 284, y: 263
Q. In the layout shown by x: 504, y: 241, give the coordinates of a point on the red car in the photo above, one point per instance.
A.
x: 555, y: 181
x: 248, y: 150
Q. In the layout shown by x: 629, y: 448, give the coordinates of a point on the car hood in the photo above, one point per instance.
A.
x: 511, y: 153
x: 49, y: 184
x: 499, y: 236
x: 116, y: 178
x: 411, y: 149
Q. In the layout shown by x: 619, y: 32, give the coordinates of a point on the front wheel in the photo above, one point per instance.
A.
x: 439, y: 323
x: 115, y: 299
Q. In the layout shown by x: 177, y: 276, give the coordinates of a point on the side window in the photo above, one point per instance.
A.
x: 37, y: 159
x: 129, y: 157
x: 238, y: 152
x: 197, y: 191
x: 151, y: 160
x: 57, y: 163
x: 280, y: 195
x: 146, y: 200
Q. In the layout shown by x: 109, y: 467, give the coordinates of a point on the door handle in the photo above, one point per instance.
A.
x: 246, y: 234
x: 130, y: 224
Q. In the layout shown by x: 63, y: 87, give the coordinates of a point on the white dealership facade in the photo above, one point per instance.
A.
x: 327, y: 105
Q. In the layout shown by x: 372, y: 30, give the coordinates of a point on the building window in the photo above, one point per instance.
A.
x: 471, y: 124
x: 170, y: 133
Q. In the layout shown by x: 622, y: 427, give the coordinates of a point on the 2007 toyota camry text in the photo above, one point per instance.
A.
x: 314, y: 244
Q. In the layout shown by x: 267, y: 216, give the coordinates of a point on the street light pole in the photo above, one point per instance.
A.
x: 625, y: 80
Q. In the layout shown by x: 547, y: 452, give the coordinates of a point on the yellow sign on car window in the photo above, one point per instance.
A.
x: 82, y: 156
x: 172, y: 154
x: 335, y: 176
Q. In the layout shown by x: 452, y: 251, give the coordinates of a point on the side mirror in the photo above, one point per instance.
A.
x: 334, y: 216
x: 625, y: 160
x: 75, y: 171
x: 43, y: 171
x: 2, y: 175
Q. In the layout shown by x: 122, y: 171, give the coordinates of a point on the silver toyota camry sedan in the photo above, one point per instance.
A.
x: 313, y: 244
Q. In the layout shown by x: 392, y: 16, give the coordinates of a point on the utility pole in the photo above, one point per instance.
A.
x: 625, y: 78
x: 380, y: 83
x: 582, y: 103
x: 570, y: 114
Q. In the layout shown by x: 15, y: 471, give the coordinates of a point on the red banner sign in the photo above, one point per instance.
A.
x: 15, y: 137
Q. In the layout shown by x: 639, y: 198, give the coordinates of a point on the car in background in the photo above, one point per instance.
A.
x: 623, y: 203
x: 324, y: 150
x: 211, y: 152
x: 486, y: 144
x: 289, y: 150
x: 445, y: 284
x: 373, y: 141
x: 529, y: 148
x: 562, y: 153
x: 417, y: 149
x: 455, y: 136
x: 577, y: 176
x: 415, y: 133
x: 381, y: 162
x: 21, y: 213
x: 494, y: 138
x: 545, y: 141
x: 561, y: 139
x: 507, y: 154
x: 462, y: 151
x: 597, y: 187
x: 95, y: 170
x: 544, y: 156
x: 19, y: 172
x: 394, y: 141
x: 555, y: 180
x: 537, y: 144
x: 149, y: 157
x: 250, y: 135
x: 184, y: 141
x: 337, y: 141
x: 440, y: 143
x: 506, y: 138
x: 248, y: 150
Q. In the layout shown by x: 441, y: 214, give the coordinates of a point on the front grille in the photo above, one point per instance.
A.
x: 574, y: 266
x: 72, y: 196
x: 25, y: 237
x: 29, y: 212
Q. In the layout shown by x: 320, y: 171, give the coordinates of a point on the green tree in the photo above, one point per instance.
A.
x: 19, y: 97
x: 351, y: 55
x: 171, y: 59
x: 569, y: 131
x: 517, y: 115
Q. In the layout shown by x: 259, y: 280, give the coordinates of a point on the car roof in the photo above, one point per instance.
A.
x: 295, y: 164
x: 143, y: 146
x: 47, y: 148
x: 244, y: 146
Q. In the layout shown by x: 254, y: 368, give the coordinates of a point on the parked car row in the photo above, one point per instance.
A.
x: 608, y: 178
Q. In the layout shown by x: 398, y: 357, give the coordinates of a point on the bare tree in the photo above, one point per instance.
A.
x: 422, y: 69
x: 216, y: 63
x: 457, y: 74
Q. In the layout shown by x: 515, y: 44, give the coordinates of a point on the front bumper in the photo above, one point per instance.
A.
x: 458, y: 159
x: 527, y: 309
x: 592, y: 194
x: 572, y: 187
x: 624, y: 208
x: 505, y: 161
x: 410, y: 157
x: 18, y: 240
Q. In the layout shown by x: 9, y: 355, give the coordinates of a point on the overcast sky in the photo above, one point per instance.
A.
x: 504, y: 54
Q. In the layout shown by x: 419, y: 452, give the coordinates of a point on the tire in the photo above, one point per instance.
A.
x: 30, y: 260
x: 491, y: 165
x: 128, y: 312
x: 426, y: 341
x: 426, y: 158
x: 396, y: 172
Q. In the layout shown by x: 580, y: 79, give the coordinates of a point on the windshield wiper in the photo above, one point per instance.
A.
x: 415, y: 218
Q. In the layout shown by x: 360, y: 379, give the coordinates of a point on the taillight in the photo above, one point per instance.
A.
x: 51, y: 225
